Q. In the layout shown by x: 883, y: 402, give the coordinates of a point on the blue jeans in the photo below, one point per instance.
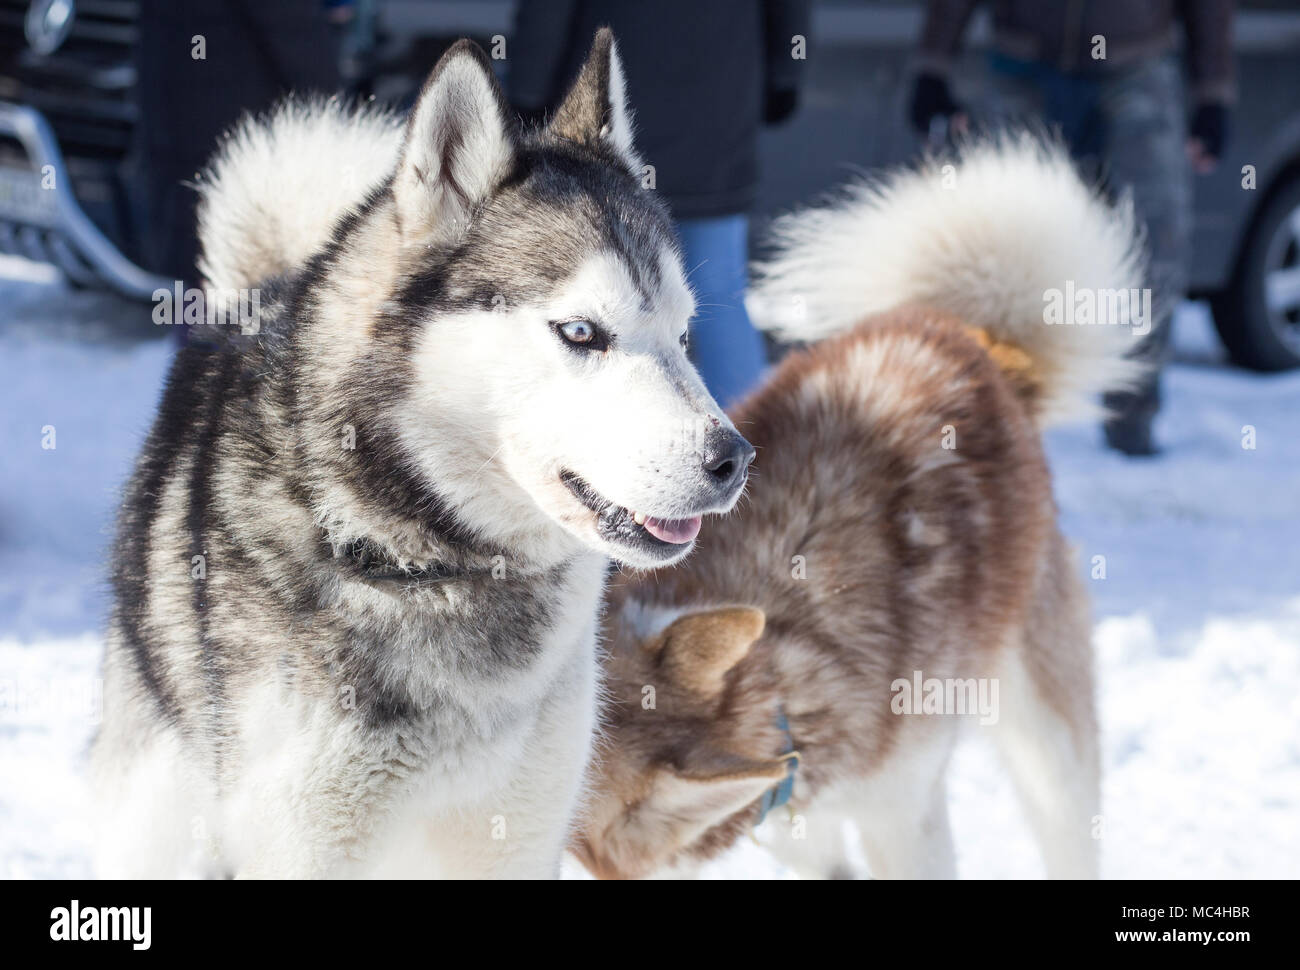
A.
x: 727, y: 350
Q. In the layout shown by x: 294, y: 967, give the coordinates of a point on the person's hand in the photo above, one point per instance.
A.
x: 1206, y: 136
x: 931, y: 98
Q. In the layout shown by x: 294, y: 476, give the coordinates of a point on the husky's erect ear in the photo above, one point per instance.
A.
x: 459, y: 146
x: 595, y: 112
x: 697, y: 650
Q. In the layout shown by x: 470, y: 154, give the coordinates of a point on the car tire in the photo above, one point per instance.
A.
x: 1258, y: 315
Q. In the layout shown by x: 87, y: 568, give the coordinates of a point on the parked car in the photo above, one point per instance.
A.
x: 67, y: 118
x: 68, y: 105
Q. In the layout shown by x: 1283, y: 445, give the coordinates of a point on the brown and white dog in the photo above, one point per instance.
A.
x: 899, y: 533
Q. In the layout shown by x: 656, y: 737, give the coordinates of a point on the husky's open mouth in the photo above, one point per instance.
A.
x: 629, y: 527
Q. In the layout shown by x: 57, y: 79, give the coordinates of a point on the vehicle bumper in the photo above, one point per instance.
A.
x: 41, y: 219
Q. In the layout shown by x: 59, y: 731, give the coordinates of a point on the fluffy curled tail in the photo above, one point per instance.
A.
x: 278, y: 184
x: 1006, y: 237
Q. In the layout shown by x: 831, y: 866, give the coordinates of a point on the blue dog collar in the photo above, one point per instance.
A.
x: 778, y: 795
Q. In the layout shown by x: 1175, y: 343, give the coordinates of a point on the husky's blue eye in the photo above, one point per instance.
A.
x: 582, y: 334
x: 685, y: 338
x: 578, y: 332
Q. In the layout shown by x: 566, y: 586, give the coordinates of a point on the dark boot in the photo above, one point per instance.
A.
x: 1128, y: 423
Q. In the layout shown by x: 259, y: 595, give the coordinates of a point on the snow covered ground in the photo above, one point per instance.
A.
x: 1198, y: 631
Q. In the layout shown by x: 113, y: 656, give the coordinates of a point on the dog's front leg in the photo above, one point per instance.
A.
x: 328, y: 835
x: 520, y: 831
x: 315, y: 812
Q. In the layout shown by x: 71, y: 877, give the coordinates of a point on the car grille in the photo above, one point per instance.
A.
x: 85, y: 88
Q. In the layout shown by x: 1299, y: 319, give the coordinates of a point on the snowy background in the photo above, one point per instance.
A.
x: 1198, y: 619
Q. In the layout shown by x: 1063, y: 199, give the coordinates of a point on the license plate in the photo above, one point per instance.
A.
x: 23, y: 200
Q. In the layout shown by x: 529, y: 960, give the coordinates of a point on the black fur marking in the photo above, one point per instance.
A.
x: 183, y: 392
x: 201, y: 509
x: 382, y: 704
x: 370, y: 561
x: 451, y: 144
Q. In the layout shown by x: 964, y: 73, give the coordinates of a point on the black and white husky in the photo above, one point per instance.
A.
x: 362, y: 554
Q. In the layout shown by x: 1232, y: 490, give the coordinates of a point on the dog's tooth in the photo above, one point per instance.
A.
x: 638, y: 518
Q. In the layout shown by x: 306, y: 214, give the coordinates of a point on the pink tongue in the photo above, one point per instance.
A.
x: 676, y: 531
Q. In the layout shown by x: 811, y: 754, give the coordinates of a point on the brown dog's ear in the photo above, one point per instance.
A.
x: 698, y: 649
x: 675, y: 811
x: 595, y: 112
x: 706, y: 801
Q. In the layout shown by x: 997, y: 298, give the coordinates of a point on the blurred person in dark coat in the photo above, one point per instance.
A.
x: 202, y: 64
x: 1104, y: 73
x: 704, y: 77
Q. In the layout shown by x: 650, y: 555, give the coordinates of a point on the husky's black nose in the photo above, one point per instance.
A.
x: 726, y: 458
